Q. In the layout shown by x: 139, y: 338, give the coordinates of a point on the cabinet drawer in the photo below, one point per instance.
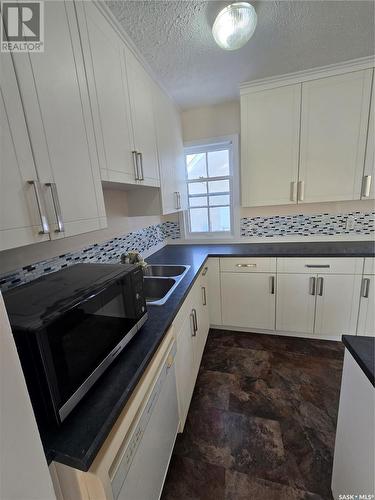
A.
x: 369, y: 267
x: 331, y: 265
x: 248, y: 265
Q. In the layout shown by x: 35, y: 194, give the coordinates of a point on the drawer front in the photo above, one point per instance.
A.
x: 320, y: 265
x: 248, y: 265
x: 369, y: 265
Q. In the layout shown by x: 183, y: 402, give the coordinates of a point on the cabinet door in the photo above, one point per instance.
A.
x: 366, y: 319
x: 337, y: 303
x: 185, y: 366
x: 140, y: 86
x: 53, y: 89
x: 295, y: 304
x: 105, y: 63
x: 333, y: 137
x: 20, y: 222
x: 163, y: 111
x: 368, y: 184
x: 270, y: 122
x: 248, y: 300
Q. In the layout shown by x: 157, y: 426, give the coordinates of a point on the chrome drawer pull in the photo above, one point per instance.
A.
x: 140, y: 157
x: 318, y: 266
x: 246, y: 265
x: 41, y: 207
x: 56, y: 206
x: 135, y: 165
x: 176, y: 200
x: 293, y: 191
x: 204, y: 298
x: 365, y: 288
x: 272, y: 285
x: 204, y: 272
x: 301, y: 190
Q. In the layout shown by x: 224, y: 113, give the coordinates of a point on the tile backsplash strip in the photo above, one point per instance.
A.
x: 353, y: 223
x: 107, y: 251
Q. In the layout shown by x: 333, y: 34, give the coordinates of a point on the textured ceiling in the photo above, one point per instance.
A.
x: 175, y: 39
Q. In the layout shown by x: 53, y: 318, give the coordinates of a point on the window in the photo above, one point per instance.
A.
x: 209, y: 185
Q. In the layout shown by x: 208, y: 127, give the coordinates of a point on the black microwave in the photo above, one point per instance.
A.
x: 69, y: 326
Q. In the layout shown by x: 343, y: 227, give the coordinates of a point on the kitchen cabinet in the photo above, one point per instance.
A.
x: 140, y: 92
x: 57, y: 112
x: 366, y: 318
x: 104, y: 55
x: 22, y: 219
x: 295, y: 310
x: 337, y: 304
x: 318, y: 296
x: 368, y: 186
x: 192, y: 325
x: 270, y: 121
x: 248, y: 300
x: 170, y: 153
x: 334, y: 121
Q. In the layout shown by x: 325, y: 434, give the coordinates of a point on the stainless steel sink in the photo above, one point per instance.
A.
x: 160, y: 281
x: 165, y: 270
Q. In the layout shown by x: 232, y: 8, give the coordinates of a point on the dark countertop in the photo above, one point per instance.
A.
x: 363, y: 351
x: 78, y: 440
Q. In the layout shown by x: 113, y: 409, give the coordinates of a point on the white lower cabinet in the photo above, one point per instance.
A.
x: 295, y: 308
x: 191, y: 338
x: 337, y: 304
x: 248, y: 300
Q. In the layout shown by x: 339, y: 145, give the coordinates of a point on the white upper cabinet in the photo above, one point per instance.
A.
x: 53, y: 89
x: 368, y: 189
x: 105, y: 62
x: 334, y: 124
x: 170, y: 151
x: 140, y: 87
x: 270, y: 121
x: 22, y: 220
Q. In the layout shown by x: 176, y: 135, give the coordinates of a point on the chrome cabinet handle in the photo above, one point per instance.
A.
x: 179, y: 199
x: 140, y: 157
x: 135, y: 165
x: 366, y: 186
x: 178, y: 203
x: 365, y: 288
x: 246, y: 265
x: 193, y: 333
x: 204, y: 272
x: 293, y: 191
x: 312, y: 281
x: 320, y: 286
x: 41, y: 206
x: 272, y: 285
x: 318, y: 266
x: 196, y: 321
x: 301, y: 190
x: 56, y: 206
x: 204, y: 298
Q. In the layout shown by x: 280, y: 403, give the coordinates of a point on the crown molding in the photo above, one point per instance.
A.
x: 307, y: 75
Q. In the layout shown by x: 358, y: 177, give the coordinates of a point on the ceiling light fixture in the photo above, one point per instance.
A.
x: 234, y: 25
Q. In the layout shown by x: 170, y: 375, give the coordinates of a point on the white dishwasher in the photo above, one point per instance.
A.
x: 142, y: 468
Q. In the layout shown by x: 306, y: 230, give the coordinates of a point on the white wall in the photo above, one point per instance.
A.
x: 224, y: 119
x: 119, y: 223
x: 24, y: 473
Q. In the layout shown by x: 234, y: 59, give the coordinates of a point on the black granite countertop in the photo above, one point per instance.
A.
x: 363, y: 351
x: 80, y: 437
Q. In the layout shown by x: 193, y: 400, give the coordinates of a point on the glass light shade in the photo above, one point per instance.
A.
x: 234, y: 25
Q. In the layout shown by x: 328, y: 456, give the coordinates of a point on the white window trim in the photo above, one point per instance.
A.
x: 215, y: 143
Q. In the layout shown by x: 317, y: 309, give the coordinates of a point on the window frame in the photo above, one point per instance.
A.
x: 207, y: 147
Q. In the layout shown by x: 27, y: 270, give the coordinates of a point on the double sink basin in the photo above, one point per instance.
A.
x: 160, y: 281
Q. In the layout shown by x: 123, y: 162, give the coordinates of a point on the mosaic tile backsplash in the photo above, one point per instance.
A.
x: 308, y: 225
x: 108, y: 251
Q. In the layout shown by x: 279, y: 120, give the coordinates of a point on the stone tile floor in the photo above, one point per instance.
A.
x: 262, y: 421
